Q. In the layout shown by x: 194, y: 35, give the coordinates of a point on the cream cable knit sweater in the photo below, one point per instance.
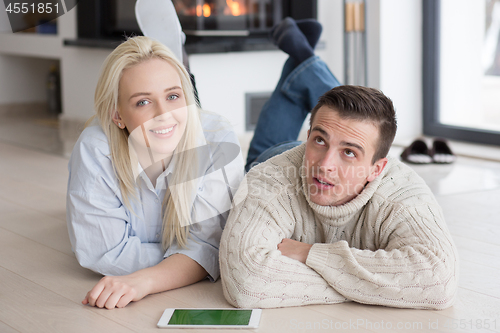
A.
x: 388, y: 246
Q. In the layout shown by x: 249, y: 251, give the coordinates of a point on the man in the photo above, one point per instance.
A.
x: 334, y: 219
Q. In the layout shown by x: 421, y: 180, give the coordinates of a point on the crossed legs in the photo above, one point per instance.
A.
x: 301, y: 84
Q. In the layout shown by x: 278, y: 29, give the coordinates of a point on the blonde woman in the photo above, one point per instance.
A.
x: 151, y: 179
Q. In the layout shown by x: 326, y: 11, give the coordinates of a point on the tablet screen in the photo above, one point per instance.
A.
x: 210, y: 317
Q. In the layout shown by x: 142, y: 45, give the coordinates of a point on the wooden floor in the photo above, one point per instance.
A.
x: 42, y: 285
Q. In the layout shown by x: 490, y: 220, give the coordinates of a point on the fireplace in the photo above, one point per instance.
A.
x: 210, y: 25
x: 227, y: 17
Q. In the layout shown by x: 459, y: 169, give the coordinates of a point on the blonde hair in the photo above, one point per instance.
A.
x: 177, y: 209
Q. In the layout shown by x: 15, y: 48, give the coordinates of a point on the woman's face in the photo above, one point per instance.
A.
x: 152, y: 106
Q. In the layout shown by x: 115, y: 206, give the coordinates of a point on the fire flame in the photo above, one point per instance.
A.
x: 205, y: 10
x: 234, y: 7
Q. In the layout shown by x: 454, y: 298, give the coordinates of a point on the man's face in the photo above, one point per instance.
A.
x: 338, y: 157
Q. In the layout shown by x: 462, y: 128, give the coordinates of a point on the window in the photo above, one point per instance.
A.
x: 462, y: 69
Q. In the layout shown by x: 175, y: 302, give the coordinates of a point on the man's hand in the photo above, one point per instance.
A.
x: 294, y: 249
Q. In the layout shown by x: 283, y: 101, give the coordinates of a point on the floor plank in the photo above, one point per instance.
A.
x: 28, y: 165
x: 479, y: 252
x: 28, y: 307
x: 39, y: 227
x: 61, y: 274
x: 473, y: 306
x: 473, y: 216
x: 51, y: 269
x: 32, y: 196
x: 4, y: 328
x: 465, y: 176
x: 480, y: 278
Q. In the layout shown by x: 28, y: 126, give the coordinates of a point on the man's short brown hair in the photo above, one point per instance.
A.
x: 364, y: 104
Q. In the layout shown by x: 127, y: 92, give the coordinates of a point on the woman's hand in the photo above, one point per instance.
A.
x: 116, y: 291
x: 294, y: 249
x: 173, y: 272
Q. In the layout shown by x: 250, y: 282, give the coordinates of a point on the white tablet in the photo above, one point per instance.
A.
x: 210, y: 318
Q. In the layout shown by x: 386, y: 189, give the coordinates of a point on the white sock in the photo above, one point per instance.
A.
x: 158, y: 20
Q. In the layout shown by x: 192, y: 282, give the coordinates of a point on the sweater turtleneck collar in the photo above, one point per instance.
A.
x: 338, y: 215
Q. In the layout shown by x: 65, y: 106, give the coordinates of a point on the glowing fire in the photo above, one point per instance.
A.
x: 205, y: 10
x: 233, y: 8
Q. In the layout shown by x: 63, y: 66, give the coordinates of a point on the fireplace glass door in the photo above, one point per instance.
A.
x: 227, y: 17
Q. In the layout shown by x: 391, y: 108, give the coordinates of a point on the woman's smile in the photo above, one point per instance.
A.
x: 164, y: 131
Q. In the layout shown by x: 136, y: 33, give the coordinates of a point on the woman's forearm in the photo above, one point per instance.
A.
x: 176, y: 271
x: 173, y: 272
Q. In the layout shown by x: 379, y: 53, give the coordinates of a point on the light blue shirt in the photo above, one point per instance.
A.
x: 108, y: 238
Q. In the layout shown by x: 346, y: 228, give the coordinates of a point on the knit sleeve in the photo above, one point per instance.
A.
x: 416, y: 266
x: 254, y: 273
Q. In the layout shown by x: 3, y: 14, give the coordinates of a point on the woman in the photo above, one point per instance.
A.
x: 151, y: 183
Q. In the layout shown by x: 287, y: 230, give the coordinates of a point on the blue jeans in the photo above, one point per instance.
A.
x: 281, y: 118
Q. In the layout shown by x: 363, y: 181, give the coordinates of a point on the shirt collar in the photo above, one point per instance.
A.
x: 160, y: 181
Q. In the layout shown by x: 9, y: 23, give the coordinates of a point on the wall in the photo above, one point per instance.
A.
x: 331, y: 17
x: 27, y: 79
x: 26, y: 75
x: 223, y: 79
x: 395, y: 53
x: 80, y: 68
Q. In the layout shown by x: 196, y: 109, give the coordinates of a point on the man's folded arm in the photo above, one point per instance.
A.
x: 417, y: 268
x: 254, y: 273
